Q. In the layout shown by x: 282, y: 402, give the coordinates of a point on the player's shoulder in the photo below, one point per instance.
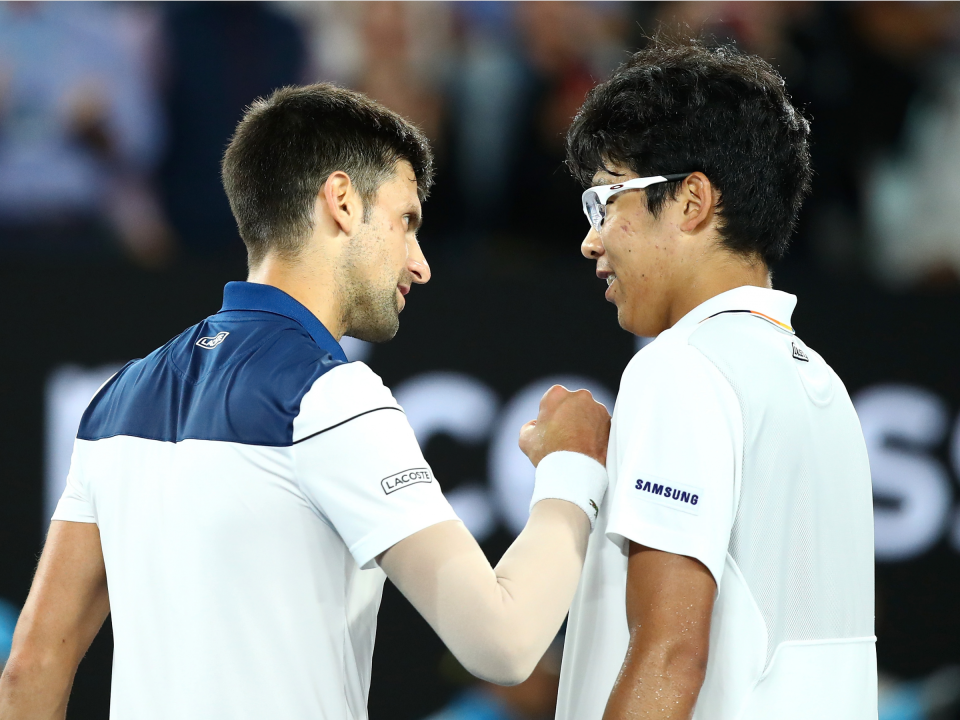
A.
x: 668, y: 358
x: 765, y: 363
x: 669, y: 375
x: 342, y: 394
x: 748, y: 345
x: 237, y: 377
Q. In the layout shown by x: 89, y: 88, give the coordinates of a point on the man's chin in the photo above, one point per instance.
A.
x: 379, y: 333
x: 628, y: 322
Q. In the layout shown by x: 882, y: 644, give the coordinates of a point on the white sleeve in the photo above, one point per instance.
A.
x: 75, y: 504
x: 357, y: 460
x: 680, y: 438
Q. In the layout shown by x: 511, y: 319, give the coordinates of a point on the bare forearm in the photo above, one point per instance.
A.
x: 37, y: 680
x: 67, y: 605
x: 655, y: 689
x: 34, y: 691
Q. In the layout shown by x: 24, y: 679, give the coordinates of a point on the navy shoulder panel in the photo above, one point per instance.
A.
x: 235, y: 377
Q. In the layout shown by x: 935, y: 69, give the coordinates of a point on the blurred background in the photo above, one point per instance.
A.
x: 115, y: 235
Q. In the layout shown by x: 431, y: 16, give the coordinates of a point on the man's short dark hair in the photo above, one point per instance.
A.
x: 680, y: 106
x: 287, y: 145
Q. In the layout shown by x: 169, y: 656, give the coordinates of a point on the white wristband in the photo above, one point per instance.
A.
x: 573, y: 477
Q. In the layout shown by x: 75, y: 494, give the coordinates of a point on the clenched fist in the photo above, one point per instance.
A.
x: 571, y: 421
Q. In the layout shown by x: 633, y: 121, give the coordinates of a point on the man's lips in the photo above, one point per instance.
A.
x: 609, y: 276
x: 403, y: 289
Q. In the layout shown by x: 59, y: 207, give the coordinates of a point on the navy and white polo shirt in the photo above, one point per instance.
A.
x: 244, y: 478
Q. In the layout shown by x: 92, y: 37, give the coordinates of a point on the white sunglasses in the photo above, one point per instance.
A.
x: 595, y: 198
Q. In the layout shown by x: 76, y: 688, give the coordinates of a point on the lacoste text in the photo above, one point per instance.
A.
x: 405, y: 479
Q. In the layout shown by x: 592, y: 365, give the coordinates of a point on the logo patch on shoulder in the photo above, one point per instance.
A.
x: 685, y: 498
x: 799, y: 354
x: 406, y: 479
x: 208, y: 343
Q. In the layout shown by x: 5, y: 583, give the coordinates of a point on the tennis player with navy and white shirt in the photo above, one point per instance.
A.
x: 244, y: 479
x: 237, y: 498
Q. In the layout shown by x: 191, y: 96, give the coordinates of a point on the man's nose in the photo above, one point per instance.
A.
x: 592, y: 247
x: 417, y: 265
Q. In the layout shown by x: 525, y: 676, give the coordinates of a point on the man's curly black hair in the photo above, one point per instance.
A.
x: 680, y: 106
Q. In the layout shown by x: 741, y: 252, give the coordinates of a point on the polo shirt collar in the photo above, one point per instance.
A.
x: 267, y: 298
x: 773, y: 306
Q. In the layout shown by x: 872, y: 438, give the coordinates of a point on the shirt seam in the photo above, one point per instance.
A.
x: 743, y: 431
x: 380, y: 536
x: 655, y: 534
x: 180, y: 440
x: 344, y: 422
x: 756, y: 606
x: 822, y: 641
x: 766, y: 670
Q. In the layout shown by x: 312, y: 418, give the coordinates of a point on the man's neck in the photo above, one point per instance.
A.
x: 313, y: 288
x: 718, y: 276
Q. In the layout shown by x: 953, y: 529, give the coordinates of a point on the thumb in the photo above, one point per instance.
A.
x: 527, y: 433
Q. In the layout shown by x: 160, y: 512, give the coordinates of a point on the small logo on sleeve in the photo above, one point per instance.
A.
x: 679, y: 497
x: 799, y: 354
x: 208, y: 343
x: 406, y: 479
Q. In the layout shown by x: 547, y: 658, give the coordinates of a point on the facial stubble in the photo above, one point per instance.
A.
x: 369, y: 307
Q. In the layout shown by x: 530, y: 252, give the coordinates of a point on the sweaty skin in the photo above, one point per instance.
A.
x: 658, y: 269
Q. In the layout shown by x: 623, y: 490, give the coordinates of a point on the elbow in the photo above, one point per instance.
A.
x: 505, y: 671
x: 19, y: 667
x: 507, y: 662
x: 686, y: 663
x: 16, y: 673
x: 682, y: 662
x: 515, y: 669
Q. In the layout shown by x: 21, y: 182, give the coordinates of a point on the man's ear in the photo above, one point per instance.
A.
x: 697, y: 202
x: 341, y: 201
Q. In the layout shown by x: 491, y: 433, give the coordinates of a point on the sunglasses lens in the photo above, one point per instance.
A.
x: 593, y: 210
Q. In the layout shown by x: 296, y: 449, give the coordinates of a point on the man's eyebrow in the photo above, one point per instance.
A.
x: 597, y: 181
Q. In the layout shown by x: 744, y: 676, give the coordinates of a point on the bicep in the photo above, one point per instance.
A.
x: 669, y: 601
x: 68, y: 601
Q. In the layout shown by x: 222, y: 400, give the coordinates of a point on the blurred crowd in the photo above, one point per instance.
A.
x: 113, y: 118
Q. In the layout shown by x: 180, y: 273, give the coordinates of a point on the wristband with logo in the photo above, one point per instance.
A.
x: 573, y: 477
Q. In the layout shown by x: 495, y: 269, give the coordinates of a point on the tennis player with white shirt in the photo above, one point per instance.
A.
x: 237, y: 498
x: 731, y: 574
